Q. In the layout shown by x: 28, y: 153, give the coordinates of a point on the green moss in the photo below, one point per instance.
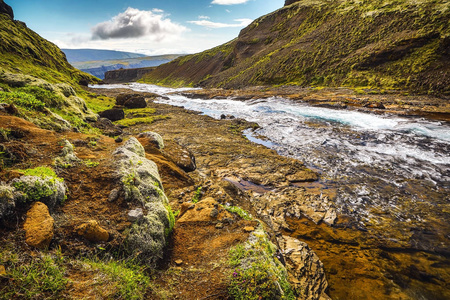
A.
x: 98, y: 103
x: 42, y: 172
x: 257, y: 273
x: 143, y: 120
x: 239, y: 211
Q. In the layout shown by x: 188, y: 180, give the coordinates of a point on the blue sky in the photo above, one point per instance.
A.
x: 144, y: 26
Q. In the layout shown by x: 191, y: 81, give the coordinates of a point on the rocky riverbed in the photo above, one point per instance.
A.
x: 293, y: 200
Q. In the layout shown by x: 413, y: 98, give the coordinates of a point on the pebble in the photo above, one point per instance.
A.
x: 249, y: 229
x: 135, y: 215
x: 219, y: 225
x: 179, y: 262
x: 2, y: 270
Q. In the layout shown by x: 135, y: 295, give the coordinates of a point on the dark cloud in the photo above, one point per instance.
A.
x: 134, y: 23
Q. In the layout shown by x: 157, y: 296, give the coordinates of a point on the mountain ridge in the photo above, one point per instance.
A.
x: 396, y: 44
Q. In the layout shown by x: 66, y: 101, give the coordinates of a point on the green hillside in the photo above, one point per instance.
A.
x: 396, y: 44
x: 36, y: 77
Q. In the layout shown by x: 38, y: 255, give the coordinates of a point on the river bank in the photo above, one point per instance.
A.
x: 374, y: 264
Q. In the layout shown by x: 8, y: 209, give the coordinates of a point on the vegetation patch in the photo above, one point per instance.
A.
x: 142, y: 120
x: 258, y: 274
x: 22, y: 99
x: 42, y: 277
x: 239, y: 211
x: 118, y: 279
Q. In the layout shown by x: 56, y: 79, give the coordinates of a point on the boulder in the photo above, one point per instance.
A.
x: 136, y: 102
x: 6, y: 9
x: 142, y: 185
x: 306, y: 272
x: 289, y: 2
x: 47, y: 189
x: 181, y: 156
x: 38, y: 226
x: 92, y: 231
x: 123, y: 98
x: 151, y: 139
x: 114, y: 114
x: 107, y: 127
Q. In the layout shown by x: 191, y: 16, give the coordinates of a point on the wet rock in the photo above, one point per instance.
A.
x: 151, y: 138
x: 306, y: 272
x: 135, y: 215
x: 293, y: 202
x: 141, y: 183
x: 93, y: 232
x: 114, y: 114
x: 38, y: 226
x: 377, y: 105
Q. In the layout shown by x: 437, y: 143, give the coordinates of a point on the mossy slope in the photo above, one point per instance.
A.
x: 396, y: 44
x: 24, y: 51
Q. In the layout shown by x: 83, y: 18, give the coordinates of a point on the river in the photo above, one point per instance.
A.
x: 391, y: 174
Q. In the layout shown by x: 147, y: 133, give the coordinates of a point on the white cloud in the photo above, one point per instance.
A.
x: 157, y: 11
x: 209, y: 24
x: 228, y: 2
x: 204, y: 17
x: 134, y: 23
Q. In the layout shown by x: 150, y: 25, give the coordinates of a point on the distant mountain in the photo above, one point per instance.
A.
x: 98, y: 62
x: 79, y: 55
x: 385, y: 44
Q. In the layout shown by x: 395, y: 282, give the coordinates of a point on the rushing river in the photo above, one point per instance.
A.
x: 391, y: 173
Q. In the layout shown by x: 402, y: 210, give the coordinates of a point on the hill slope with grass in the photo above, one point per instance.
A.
x: 396, y: 44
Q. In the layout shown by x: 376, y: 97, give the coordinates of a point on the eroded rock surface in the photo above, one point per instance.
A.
x: 306, y: 271
x: 93, y: 232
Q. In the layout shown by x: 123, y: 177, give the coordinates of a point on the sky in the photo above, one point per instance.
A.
x: 142, y: 26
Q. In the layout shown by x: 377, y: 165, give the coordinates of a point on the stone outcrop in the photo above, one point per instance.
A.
x: 306, y: 272
x: 181, y: 156
x: 93, y: 232
x: 142, y: 186
x: 6, y: 9
x: 125, y: 75
x: 38, y: 226
x: 8, y: 199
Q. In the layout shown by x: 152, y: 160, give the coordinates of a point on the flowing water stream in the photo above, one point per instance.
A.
x: 391, y: 173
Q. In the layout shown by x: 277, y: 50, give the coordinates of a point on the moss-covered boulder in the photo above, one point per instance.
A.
x: 142, y: 185
x: 258, y: 271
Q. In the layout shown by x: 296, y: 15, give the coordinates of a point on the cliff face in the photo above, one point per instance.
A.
x: 6, y: 9
x: 384, y: 44
x: 126, y: 75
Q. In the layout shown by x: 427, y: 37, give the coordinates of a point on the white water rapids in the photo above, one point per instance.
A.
x: 375, y: 161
